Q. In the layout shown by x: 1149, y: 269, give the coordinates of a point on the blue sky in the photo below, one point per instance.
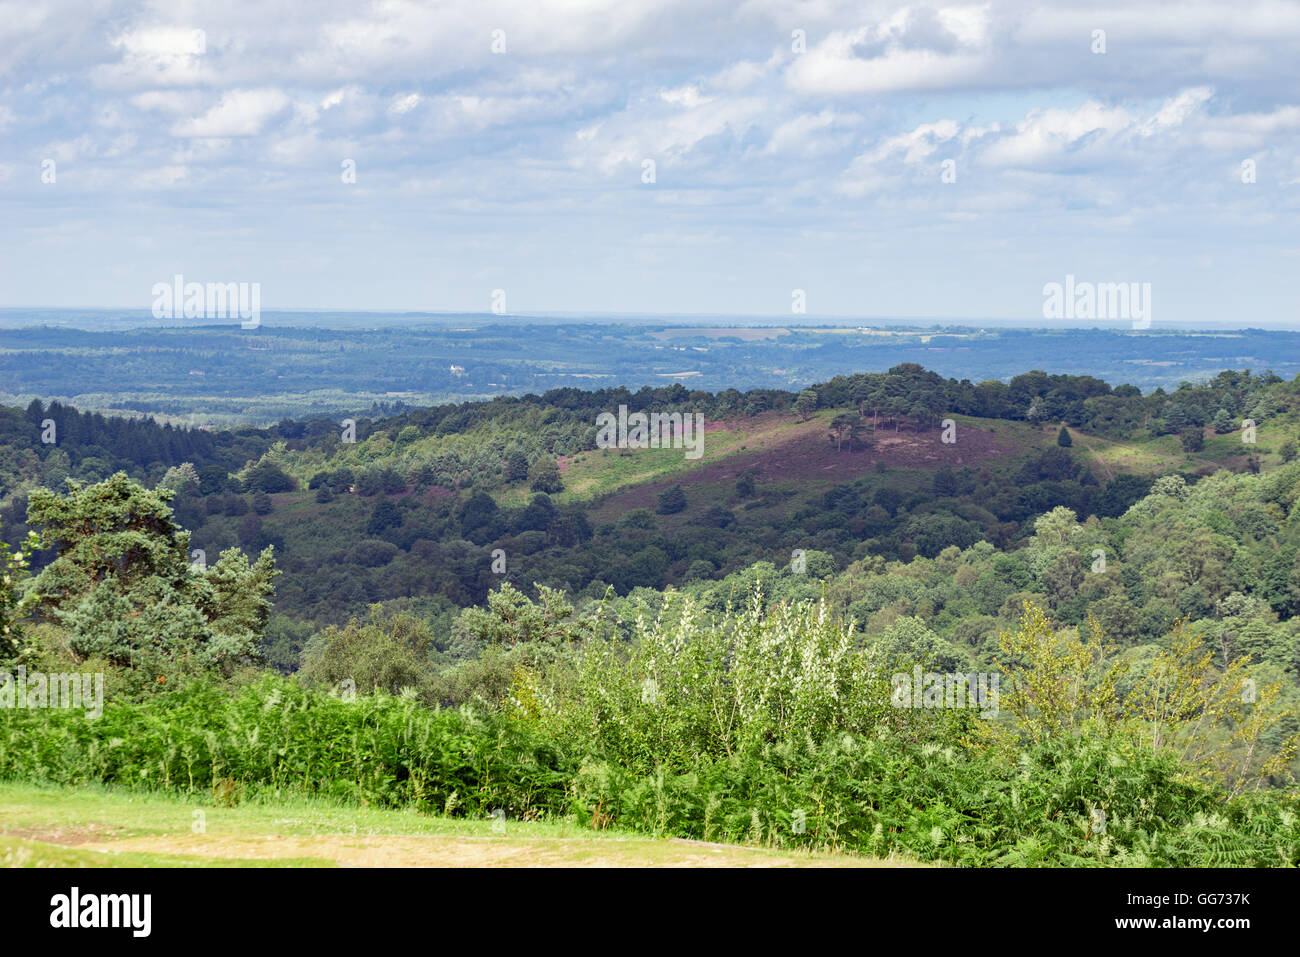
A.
x: 208, y: 139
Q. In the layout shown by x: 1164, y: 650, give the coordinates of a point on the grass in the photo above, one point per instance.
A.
x: 94, y: 826
x: 602, y: 471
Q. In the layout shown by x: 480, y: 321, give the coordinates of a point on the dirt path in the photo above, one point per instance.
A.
x: 1110, y: 476
x: 497, y: 851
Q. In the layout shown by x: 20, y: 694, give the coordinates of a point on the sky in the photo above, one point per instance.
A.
x: 677, y: 156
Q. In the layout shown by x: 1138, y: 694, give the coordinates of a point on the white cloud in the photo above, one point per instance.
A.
x: 162, y: 177
x: 239, y: 113
x: 745, y: 131
x: 875, y: 168
x: 404, y: 104
x: 168, y: 101
x: 912, y: 50
x: 1176, y: 110
x: 1250, y: 131
x: 157, y: 56
x: 806, y: 134
x: 645, y: 131
x: 687, y: 96
x: 1046, y: 136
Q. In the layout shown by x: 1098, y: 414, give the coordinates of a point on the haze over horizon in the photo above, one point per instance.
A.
x: 91, y: 317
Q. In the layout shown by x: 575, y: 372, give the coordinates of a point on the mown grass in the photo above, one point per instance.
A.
x: 97, y: 826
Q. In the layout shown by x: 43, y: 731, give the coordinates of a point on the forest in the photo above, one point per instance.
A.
x: 495, y: 613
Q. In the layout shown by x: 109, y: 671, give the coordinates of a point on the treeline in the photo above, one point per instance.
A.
x: 472, y: 443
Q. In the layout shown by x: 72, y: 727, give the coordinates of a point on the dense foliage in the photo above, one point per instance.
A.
x: 708, y: 654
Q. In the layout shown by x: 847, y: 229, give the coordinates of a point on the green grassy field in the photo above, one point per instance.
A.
x: 98, y: 827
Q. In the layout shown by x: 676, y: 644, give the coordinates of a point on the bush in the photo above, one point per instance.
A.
x: 381, y: 653
x: 377, y: 749
x: 544, y: 476
x: 1067, y: 801
x: 671, y: 501
x: 1193, y: 440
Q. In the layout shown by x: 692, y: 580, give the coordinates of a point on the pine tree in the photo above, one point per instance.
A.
x: 516, y: 466
x: 123, y: 585
x: 805, y: 404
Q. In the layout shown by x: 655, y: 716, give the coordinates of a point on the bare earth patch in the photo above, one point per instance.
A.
x: 463, y: 851
x: 63, y: 836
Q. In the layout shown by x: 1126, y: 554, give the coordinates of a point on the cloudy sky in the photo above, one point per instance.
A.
x: 888, y: 159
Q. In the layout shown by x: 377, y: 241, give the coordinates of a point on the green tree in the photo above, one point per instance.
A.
x: 1063, y: 438
x: 516, y: 465
x: 1193, y: 439
x: 511, y: 618
x: 805, y: 404
x: 181, y: 479
x: 382, y: 652
x: 123, y: 585
x: 212, y: 479
x: 477, y: 513
x: 842, y: 426
x: 909, y: 641
x: 544, y: 476
x: 268, y: 477
x: 383, y: 516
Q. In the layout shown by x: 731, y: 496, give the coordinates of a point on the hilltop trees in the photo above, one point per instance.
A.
x: 444, y: 487
x: 847, y: 425
x: 805, y: 404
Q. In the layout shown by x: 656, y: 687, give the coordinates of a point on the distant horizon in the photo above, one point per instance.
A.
x: 740, y: 320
